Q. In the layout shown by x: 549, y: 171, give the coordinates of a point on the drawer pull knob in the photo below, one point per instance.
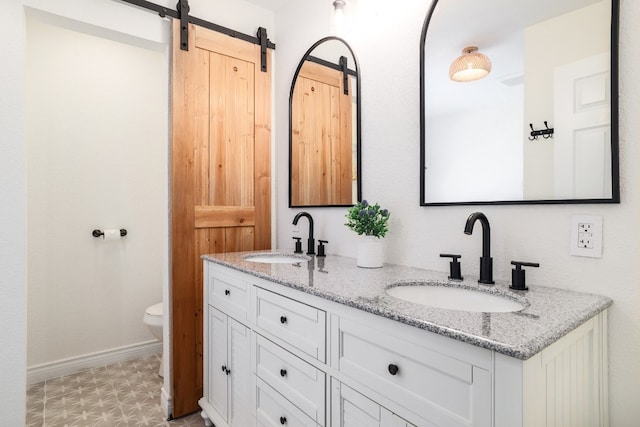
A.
x: 283, y: 372
x: 393, y: 369
x: 283, y: 319
x: 227, y: 292
x: 283, y: 420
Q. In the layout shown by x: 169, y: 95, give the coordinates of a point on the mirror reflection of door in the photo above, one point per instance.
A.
x: 321, y: 151
x: 324, y: 127
x: 582, y: 149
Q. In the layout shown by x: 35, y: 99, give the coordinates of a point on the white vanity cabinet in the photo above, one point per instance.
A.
x: 563, y: 385
x: 296, y: 359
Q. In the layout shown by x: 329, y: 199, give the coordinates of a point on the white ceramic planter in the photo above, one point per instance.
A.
x: 370, y: 252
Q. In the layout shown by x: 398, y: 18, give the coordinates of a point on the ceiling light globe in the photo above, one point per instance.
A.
x: 471, y: 65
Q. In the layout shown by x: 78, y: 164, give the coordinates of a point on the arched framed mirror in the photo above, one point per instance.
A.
x: 324, y: 127
x: 542, y: 126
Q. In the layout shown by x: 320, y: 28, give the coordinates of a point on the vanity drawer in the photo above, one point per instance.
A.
x: 229, y: 294
x: 297, y: 324
x: 299, y: 382
x: 440, y: 388
x: 274, y: 410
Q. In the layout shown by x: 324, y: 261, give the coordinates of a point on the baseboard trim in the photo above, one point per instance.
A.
x: 59, y: 368
x: 165, y: 403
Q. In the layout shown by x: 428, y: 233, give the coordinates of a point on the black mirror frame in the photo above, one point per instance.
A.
x: 358, y: 121
x: 615, y: 159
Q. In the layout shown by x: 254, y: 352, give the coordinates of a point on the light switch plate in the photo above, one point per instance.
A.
x: 586, y: 236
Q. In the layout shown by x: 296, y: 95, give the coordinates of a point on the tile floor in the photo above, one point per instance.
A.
x: 123, y: 394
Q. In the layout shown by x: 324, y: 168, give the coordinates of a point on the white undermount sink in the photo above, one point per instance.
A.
x: 454, y: 298
x: 274, y: 258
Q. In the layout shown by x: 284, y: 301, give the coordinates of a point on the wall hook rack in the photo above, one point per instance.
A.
x: 545, y: 133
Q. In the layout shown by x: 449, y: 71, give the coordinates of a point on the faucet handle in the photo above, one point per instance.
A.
x: 321, y: 248
x: 454, y: 266
x: 518, y: 282
x: 298, y: 249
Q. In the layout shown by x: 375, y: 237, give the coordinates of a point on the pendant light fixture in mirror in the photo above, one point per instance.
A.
x: 471, y: 65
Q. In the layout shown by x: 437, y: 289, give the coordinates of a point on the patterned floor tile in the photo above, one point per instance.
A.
x: 124, y: 394
x: 34, y: 419
x: 193, y: 420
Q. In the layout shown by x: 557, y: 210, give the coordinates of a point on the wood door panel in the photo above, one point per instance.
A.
x: 224, y: 216
x: 183, y: 324
x: 239, y: 239
x: 215, y: 42
x: 220, y: 180
x: 199, y: 124
x: 232, y: 135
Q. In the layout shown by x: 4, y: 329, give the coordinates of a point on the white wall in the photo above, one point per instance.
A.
x: 453, y: 170
x: 97, y: 149
x: 13, y: 332
x: 389, y: 58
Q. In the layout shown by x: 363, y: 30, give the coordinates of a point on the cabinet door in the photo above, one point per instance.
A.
x: 239, y: 374
x: 229, y: 358
x: 217, y: 349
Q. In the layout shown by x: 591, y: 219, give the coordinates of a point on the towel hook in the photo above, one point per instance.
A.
x: 532, y: 137
x: 545, y: 133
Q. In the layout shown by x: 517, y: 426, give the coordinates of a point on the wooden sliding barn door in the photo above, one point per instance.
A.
x: 220, y: 180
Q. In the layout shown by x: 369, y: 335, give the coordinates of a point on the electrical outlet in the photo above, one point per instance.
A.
x: 586, y: 236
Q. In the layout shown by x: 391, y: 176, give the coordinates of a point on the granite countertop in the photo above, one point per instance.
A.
x: 549, y: 313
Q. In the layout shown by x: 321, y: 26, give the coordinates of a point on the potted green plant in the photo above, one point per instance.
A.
x: 370, y: 222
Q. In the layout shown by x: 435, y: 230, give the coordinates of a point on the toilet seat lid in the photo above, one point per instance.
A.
x: 154, y: 310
